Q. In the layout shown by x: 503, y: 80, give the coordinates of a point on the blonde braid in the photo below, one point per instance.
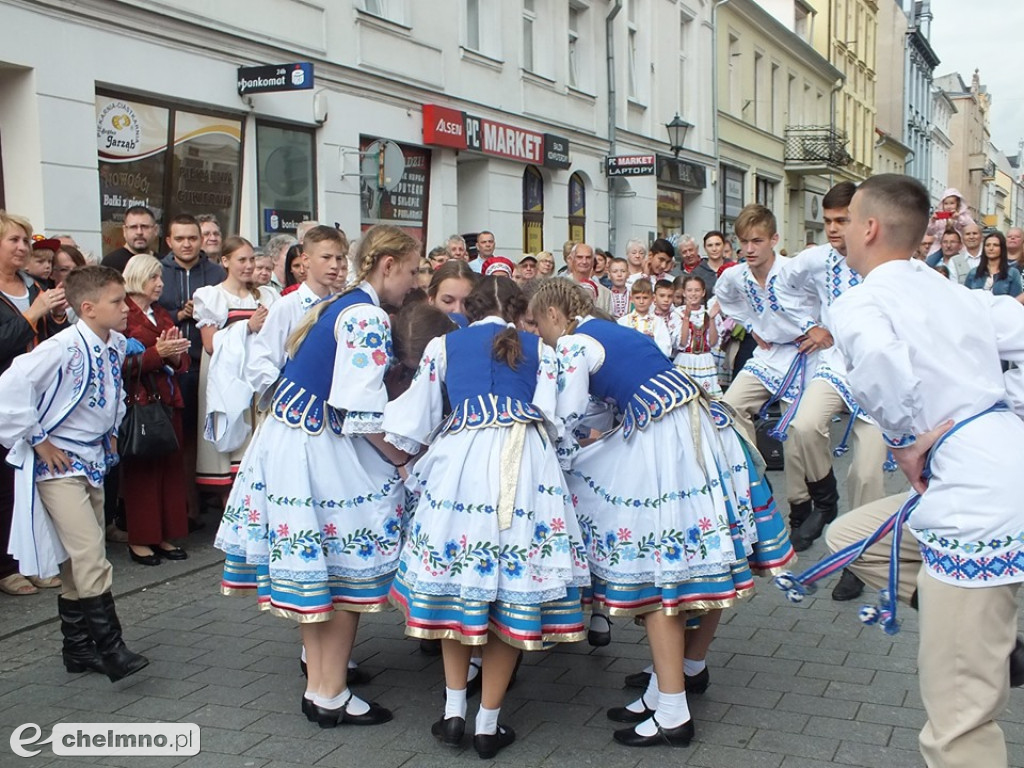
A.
x: 564, y: 295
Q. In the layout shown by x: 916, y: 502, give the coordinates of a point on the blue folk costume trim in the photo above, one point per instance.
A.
x: 299, y: 408
x: 659, y: 396
x: 490, y: 411
x: 794, y: 376
x: 797, y: 587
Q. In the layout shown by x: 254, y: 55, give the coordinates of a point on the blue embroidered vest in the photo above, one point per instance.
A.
x: 485, y: 392
x: 300, y: 399
x: 636, y: 375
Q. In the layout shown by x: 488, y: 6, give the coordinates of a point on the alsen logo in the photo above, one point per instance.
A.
x: 449, y: 127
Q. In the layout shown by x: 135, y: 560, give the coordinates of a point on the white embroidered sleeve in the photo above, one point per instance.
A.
x: 881, y: 375
x: 22, y: 386
x: 731, y: 297
x: 577, y: 356
x: 410, y: 418
x: 796, y: 287
x: 363, y: 333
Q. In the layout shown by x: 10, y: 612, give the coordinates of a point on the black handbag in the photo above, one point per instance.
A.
x: 147, y: 431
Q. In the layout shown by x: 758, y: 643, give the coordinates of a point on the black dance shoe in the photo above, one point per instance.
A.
x: 449, y: 731
x: 171, y: 554
x: 487, y: 745
x: 358, y: 676
x: 849, y: 587
x: 626, y: 715
x: 430, y: 647
x: 309, y: 709
x: 694, y: 683
x: 600, y: 639
x: 331, y: 718
x: 143, y: 559
x: 673, y: 737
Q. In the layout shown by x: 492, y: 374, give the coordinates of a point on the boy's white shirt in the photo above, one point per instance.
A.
x: 54, y: 392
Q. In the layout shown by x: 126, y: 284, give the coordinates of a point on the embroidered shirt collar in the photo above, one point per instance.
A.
x: 369, y: 290
x: 95, y: 343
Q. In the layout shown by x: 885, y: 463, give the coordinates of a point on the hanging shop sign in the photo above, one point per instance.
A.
x: 446, y: 127
x: 630, y: 165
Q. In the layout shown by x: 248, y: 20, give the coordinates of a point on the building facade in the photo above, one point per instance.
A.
x: 943, y: 110
x: 891, y: 153
x: 920, y: 62
x: 969, y: 134
x: 778, y: 145
x: 848, y: 39
x: 443, y: 117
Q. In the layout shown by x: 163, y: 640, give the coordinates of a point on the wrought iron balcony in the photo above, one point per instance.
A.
x: 815, y: 149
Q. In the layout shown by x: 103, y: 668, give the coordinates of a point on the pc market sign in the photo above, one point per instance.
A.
x: 275, y: 77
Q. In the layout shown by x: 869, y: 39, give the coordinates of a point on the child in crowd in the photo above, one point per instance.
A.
x: 321, y: 545
x: 643, y: 320
x: 40, y: 261
x: 505, y: 570
x: 60, y: 409
x: 664, y: 295
x: 699, y: 335
x: 325, y: 253
x: 952, y: 212
x: 449, y: 286
x: 228, y: 316
x: 660, y: 260
x: 618, y: 273
x: 425, y: 272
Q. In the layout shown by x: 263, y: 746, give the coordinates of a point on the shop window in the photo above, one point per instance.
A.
x: 392, y: 193
x: 577, y: 209
x: 286, y: 175
x: 670, y: 212
x: 533, y: 210
x: 170, y: 160
x: 765, y: 192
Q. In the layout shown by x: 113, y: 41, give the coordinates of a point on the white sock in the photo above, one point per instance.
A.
x: 691, y: 667
x: 309, y: 695
x: 650, y: 698
x: 352, y: 664
x: 487, y: 720
x: 454, y: 703
x: 474, y: 670
x: 303, y: 657
x: 673, y: 710
x: 354, y: 705
x: 599, y: 623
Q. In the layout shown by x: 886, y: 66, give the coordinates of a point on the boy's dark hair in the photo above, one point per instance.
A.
x: 713, y: 233
x: 664, y: 284
x: 755, y: 216
x: 86, y: 283
x: 839, y: 196
x: 642, y: 286
x: 661, y: 245
x: 186, y: 219
x: 901, y: 203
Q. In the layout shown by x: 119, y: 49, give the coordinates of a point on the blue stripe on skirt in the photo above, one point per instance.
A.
x: 450, y: 617
x: 771, y: 554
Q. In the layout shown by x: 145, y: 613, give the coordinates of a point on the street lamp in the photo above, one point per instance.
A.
x: 677, y: 130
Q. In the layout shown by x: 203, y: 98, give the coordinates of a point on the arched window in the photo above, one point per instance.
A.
x: 533, y: 210
x: 577, y: 209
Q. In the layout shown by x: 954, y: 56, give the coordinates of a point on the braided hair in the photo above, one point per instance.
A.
x: 499, y: 296
x: 567, y: 296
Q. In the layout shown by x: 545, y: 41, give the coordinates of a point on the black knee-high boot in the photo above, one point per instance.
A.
x: 105, y: 630
x: 825, y: 499
x: 79, y: 651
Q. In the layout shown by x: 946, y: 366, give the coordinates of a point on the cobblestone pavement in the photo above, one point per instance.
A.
x: 791, y: 686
